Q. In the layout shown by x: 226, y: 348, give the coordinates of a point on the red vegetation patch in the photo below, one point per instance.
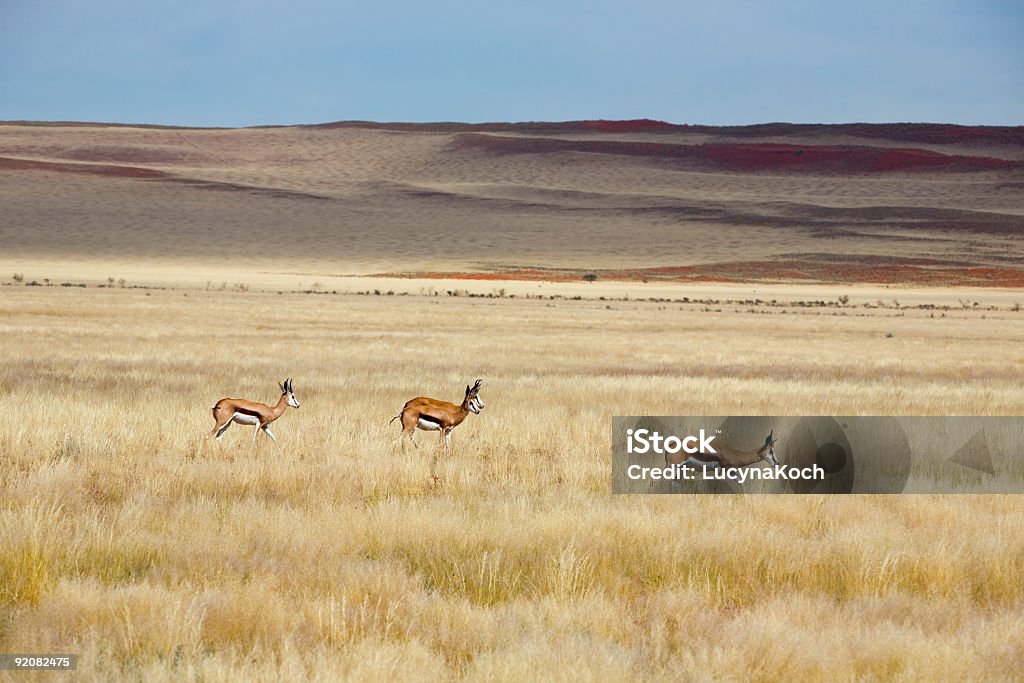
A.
x: 921, y: 133
x: 748, y: 157
x: 859, y: 269
x: 924, y: 272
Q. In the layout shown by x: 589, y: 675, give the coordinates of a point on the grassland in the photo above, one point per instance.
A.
x: 125, y: 539
x: 772, y: 262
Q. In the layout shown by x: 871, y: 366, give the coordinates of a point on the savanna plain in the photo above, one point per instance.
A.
x: 156, y: 556
x: 582, y: 270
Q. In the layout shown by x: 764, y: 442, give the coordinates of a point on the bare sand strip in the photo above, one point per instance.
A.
x: 208, y: 276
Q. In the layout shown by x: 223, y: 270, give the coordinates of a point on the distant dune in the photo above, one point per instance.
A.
x: 927, y: 133
x: 884, y: 203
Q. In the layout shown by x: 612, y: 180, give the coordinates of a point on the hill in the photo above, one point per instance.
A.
x: 918, y: 203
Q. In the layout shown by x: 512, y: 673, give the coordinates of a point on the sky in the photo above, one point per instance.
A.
x: 241, y: 63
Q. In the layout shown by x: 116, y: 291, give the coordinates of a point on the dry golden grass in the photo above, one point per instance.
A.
x: 124, y: 539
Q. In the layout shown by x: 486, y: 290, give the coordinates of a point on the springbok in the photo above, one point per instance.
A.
x: 430, y: 414
x: 228, y: 410
x: 727, y: 457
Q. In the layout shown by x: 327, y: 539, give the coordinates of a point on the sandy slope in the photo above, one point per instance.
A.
x: 358, y: 199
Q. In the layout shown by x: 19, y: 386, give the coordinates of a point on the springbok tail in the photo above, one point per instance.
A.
x: 396, y: 417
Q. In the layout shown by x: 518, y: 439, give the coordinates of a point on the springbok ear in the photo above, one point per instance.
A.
x: 468, y: 390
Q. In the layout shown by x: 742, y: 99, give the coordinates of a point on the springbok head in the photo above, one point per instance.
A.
x: 473, y: 400
x: 767, y: 451
x: 286, y: 390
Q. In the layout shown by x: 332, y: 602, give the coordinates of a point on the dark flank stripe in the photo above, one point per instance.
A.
x: 244, y: 411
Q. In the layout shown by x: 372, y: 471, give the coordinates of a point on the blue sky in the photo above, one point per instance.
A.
x: 308, y: 61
